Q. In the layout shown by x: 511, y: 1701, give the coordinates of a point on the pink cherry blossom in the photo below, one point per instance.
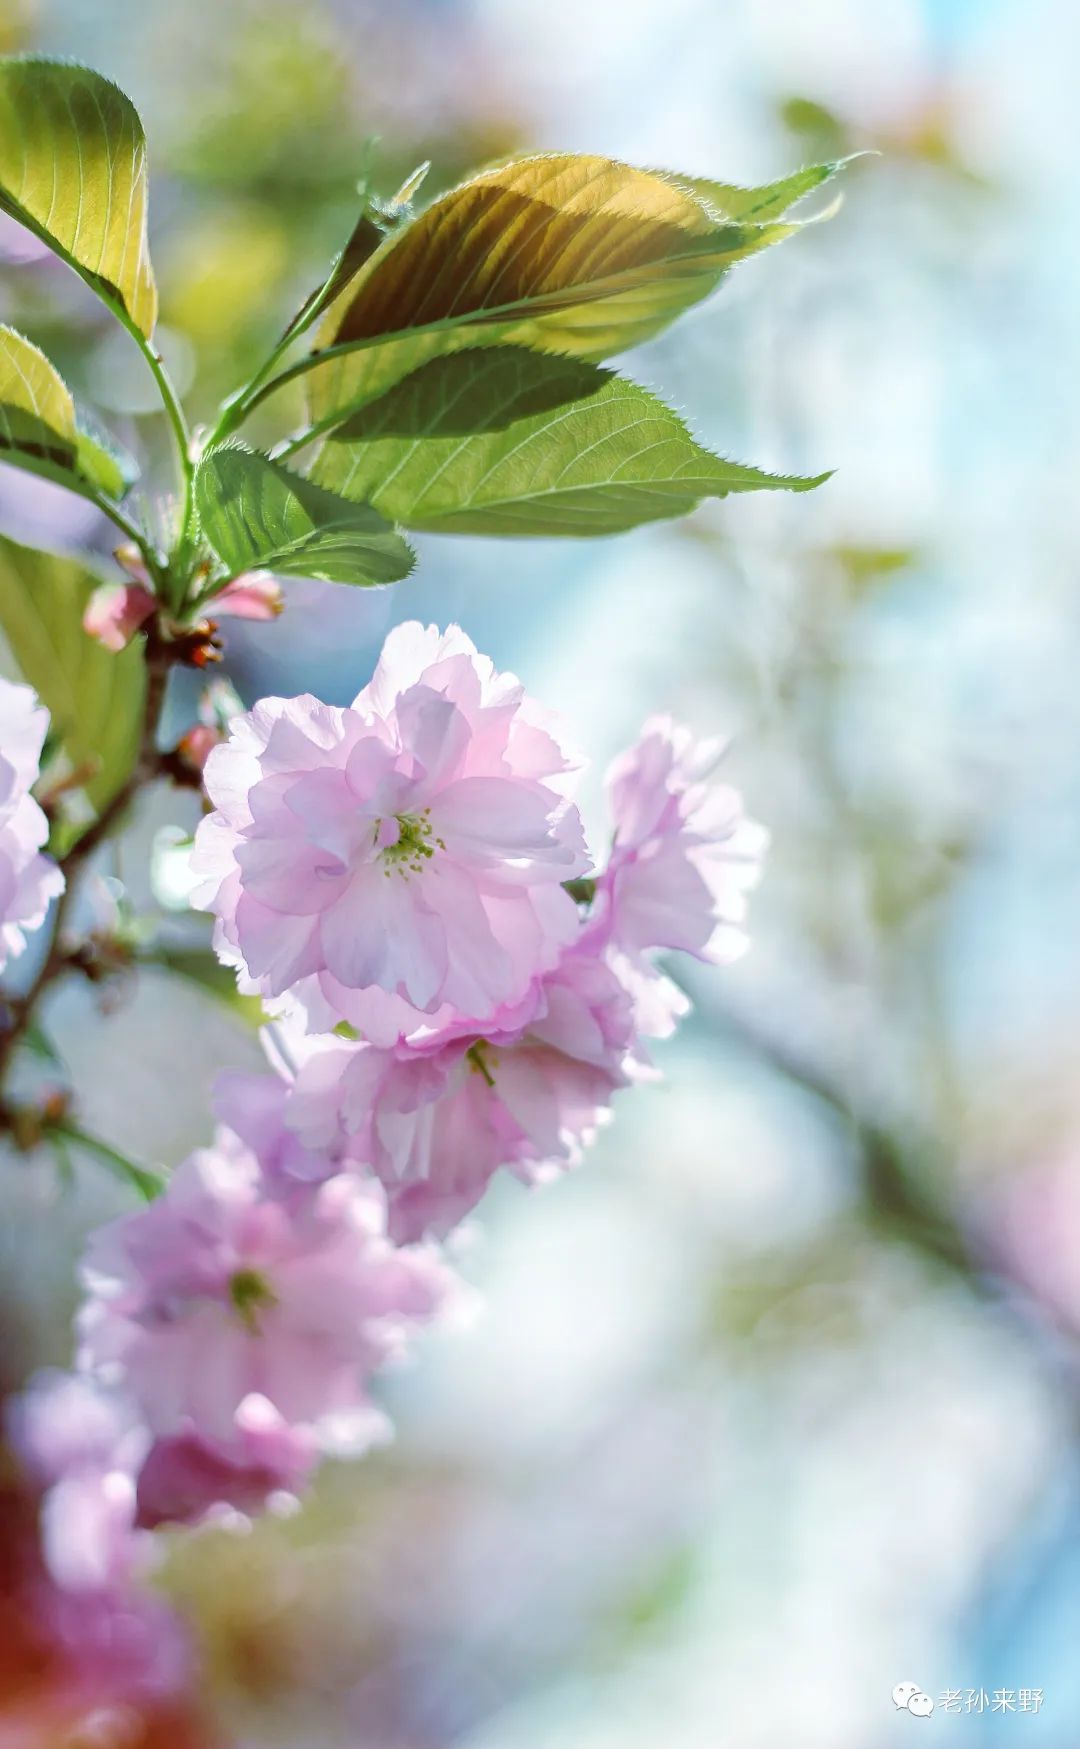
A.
x: 218, y: 1293
x: 255, y: 1108
x: 683, y: 858
x: 185, y: 1479
x: 253, y: 595
x: 115, y: 612
x: 83, y: 1444
x: 413, y: 845
x: 28, y: 881
x: 435, y: 1118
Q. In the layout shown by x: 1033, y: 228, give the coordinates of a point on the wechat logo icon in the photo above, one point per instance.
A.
x: 909, y: 1697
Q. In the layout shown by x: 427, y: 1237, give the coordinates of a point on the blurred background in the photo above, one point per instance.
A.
x: 775, y: 1403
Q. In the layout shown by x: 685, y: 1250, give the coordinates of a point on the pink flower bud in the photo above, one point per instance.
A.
x: 197, y: 745
x: 253, y: 595
x: 128, y: 556
x: 115, y: 612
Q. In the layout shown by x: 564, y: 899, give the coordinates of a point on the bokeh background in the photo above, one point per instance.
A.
x: 775, y: 1403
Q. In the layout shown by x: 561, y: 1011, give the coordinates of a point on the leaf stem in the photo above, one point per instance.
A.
x: 149, y: 1184
x: 173, y: 409
x: 236, y: 410
x: 173, y: 579
x: 71, y: 482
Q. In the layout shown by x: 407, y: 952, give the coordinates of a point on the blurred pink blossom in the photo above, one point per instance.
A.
x: 253, y: 595
x: 186, y: 1479
x: 197, y: 743
x: 1032, y: 1228
x: 218, y: 1292
x: 28, y: 881
x: 115, y: 613
x: 82, y: 1445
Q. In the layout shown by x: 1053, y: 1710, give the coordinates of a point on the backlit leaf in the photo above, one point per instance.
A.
x: 254, y: 512
x: 95, y: 698
x: 509, y: 441
x: 567, y: 253
x: 101, y: 459
x: 378, y: 219
x: 771, y: 201
x: 39, y: 428
x: 73, y: 170
x: 37, y: 413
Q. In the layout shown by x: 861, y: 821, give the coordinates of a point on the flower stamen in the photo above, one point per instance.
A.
x: 477, y: 1056
x: 413, y: 844
x: 250, y: 1293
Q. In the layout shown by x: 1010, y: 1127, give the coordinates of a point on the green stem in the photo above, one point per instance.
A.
x: 71, y: 482
x: 173, y: 409
x: 129, y: 527
x: 236, y: 411
x: 172, y: 579
x: 149, y: 1184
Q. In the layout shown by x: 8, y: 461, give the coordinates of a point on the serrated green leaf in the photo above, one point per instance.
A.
x: 39, y: 428
x: 509, y: 441
x: 102, y: 459
x: 256, y: 513
x: 568, y: 253
x: 37, y: 413
x: 770, y: 201
x: 95, y: 698
x: 73, y: 170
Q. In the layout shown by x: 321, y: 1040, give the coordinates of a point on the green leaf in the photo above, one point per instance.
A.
x: 101, y: 459
x: 254, y: 513
x: 73, y: 170
x: 567, y: 253
x: 95, y: 698
x: 37, y: 413
x: 771, y: 201
x: 378, y: 219
x: 509, y: 441
x: 39, y: 428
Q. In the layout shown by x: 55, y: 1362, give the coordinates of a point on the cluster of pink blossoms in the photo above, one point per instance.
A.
x: 456, y: 989
x: 405, y: 871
